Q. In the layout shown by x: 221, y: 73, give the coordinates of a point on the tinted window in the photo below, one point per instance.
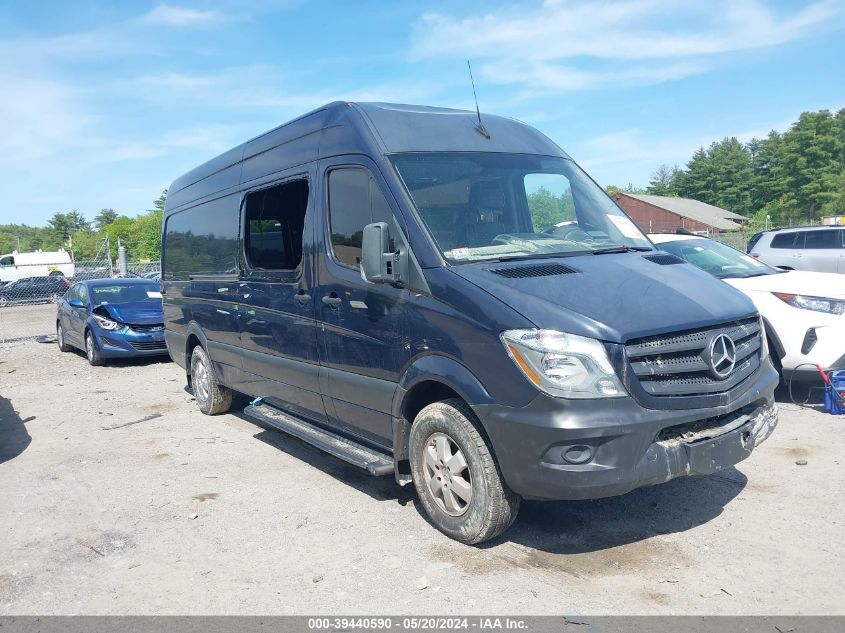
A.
x: 822, y: 239
x: 7, y: 261
x: 754, y: 239
x: 354, y: 201
x: 787, y: 240
x: 202, y: 240
x: 273, y: 226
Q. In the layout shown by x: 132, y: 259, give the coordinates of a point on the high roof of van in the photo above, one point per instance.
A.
x: 373, y: 129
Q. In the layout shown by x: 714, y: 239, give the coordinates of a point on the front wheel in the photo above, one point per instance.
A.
x: 60, y: 338
x: 212, y: 397
x: 457, y: 477
x: 94, y: 357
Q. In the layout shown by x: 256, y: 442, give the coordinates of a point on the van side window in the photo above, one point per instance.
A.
x: 823, y: 239
x: 7, y: 261
x: 355, y: 200
x: 274, y: 221
x: 786, y: 240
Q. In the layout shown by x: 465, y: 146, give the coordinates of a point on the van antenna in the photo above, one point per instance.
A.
x: 480, y: 127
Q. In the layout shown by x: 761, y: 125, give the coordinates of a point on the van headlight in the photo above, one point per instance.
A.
x: 563, y: 365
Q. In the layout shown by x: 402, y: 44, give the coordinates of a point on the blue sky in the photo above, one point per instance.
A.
x: 103, y: 104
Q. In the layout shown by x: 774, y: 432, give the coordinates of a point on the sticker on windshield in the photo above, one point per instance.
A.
x: 458, y: 253
x: 153, y: 294
x: 625, y: 226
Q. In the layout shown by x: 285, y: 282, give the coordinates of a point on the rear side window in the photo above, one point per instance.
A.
x: 273, y: 226
x: 7, y: 261
x: 754, y: 239
x: 788, y: 240
x: 202, y: 241
x: 823, y: 239
x: 354, y: 201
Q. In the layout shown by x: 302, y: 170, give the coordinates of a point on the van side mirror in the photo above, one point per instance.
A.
x: 378, y: 265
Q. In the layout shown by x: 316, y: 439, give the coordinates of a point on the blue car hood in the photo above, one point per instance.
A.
x: 143, y: 313
x: 613, y: 297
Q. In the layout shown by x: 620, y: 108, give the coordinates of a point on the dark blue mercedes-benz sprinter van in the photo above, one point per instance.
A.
x: 458, y: 305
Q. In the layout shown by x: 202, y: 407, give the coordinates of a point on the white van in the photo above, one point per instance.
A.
x: 17, y: 265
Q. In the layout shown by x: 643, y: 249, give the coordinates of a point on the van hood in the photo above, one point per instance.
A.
x: 143, y: 313
x: 612, y: 297
x: 798, y: 282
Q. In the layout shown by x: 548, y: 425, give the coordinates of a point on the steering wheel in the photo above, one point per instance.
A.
x: 573, y: 233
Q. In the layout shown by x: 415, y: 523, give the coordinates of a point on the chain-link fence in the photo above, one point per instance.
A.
x: 29, y: 292
x: 737, y: 239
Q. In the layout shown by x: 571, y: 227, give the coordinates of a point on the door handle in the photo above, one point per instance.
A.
x: 302, y: 298
x: 332, y: 300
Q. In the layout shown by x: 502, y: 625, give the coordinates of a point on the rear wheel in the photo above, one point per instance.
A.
x: 92, y: 352
x: 212, y: 397
x: 4, y: 301
x: 456, y: 476
x: 60, y: 337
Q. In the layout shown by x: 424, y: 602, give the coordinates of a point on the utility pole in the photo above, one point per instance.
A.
x: 121, y: 256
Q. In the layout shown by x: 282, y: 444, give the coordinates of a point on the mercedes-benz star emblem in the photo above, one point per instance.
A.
x: 722, y: 356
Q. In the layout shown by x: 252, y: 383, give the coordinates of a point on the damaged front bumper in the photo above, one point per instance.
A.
x: 569, y: 449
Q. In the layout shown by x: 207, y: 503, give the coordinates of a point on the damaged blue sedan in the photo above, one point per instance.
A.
x: 111, y: 318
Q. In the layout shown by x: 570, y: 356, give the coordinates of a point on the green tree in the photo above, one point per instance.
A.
x: 104, y: 218
x: 665, y: 181
x: 721, y: 175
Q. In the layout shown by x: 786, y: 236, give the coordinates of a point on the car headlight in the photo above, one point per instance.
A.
x: 818, y: 304
x: 563, y: 365
x: 106, y: 324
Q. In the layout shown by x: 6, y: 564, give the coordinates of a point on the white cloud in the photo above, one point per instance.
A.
x: 177, y: 16
x: 644, y: 41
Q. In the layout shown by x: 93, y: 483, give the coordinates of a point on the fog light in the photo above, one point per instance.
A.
x: 579, y: 454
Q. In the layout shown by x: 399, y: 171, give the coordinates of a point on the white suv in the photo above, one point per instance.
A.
x: 817, y: 248
x: 804, y: 312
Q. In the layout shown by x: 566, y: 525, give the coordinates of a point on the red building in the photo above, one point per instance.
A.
x: 661, y: 214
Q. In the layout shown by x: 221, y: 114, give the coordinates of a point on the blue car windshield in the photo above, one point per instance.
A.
x: 125, y: 293
x: 481, y: 206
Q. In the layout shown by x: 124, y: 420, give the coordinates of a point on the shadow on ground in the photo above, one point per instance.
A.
x: 14, y: 438
x: 558, y: 527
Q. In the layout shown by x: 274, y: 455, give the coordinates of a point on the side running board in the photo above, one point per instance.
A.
x: 377, y: 463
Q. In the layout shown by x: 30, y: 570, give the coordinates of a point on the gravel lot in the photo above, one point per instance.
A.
x: 96, y: 518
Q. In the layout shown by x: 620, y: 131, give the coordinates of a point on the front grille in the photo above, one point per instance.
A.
x: 148, y: 346
x: 153, y: 327
x: 677, y: 364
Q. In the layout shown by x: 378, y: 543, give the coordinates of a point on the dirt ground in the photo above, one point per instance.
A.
x: 118, y: 497
x: 23, y: 321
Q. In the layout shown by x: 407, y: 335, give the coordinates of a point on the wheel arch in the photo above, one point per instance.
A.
x: 427, y: 380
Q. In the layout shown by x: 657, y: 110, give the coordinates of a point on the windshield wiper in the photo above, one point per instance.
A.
x: 512, y: 258
x: 620, y: 249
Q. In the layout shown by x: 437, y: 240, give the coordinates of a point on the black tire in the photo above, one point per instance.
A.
x: 60, y: 337
x: 4, y: 301
x: 492, y: 507
x: 212, y: 397
x: 92, y: 352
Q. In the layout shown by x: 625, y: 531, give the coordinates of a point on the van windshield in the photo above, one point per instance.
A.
x: 482, y: 206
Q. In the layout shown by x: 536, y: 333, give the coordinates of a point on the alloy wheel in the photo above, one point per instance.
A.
x: 447, y: 474
x: 201, y: 381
